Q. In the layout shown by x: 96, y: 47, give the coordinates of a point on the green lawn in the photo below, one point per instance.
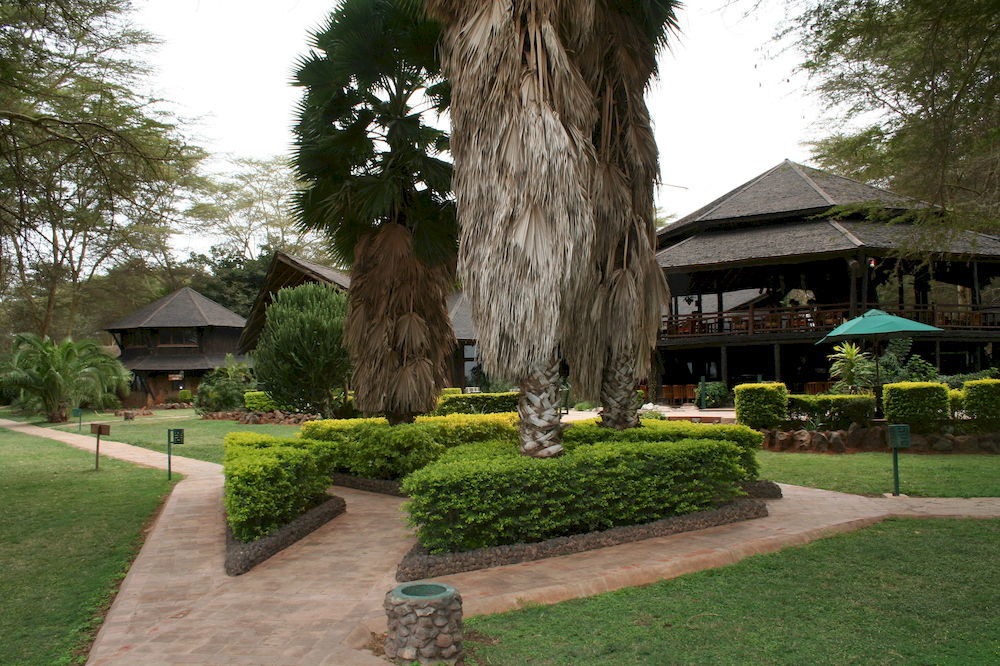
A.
x: 871, y: 473
x: 90, y: 416
x: 202, y: 439
x: 67, y: 536
x: 902, y: 592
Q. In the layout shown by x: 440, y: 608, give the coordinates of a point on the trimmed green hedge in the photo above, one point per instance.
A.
x: 259, y: 401
x: 761, y: 405
x: 270, y: 483
x: 832, y: 412
x: 450, y: 430
x: 451, y: 391
x: 923, y: 405
x: 748, y: 440
x: 956, y: 402
x: 477, y: 403
x: 496, y: 500
x: 982, y: 403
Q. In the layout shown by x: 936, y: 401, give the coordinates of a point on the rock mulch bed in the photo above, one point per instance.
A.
x: 243, y: 556
x: 857, y: 438
x: 255, y: 418
x: 419, y: 563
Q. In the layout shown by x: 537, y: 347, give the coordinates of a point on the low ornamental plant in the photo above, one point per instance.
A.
x: 761, y: 406
x: 477, y: 403
x: 922, y: 405
x: 478, y: 502
x: 716, y: 394
x: 830, y: 412
x: 259, y: 401
x: 956, y: 402
x: 982, y: 403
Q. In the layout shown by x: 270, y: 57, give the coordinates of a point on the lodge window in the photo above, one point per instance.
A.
x: 178, y: 337
x: 133, y: 339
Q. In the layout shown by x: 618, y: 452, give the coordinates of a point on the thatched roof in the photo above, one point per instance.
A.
x: 185, y: 308
x: 786, y: 190
x: 288, y: 271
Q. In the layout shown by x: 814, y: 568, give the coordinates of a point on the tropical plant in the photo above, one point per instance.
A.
x: 300, y: 358
x: 852, y: 368
x: 222, y: 389
x: 374, y: 183
x: 62, y: 376
x: 618, y: 62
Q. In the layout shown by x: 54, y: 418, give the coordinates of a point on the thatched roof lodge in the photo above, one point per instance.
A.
x: 761, y: 273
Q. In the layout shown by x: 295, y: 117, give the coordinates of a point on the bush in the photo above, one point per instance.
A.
x: 585, y: 406
x: 982, y: 403
x: 477, y: 403
x: 476, y: 503
x: 259, y: 401
x: 652, y: 430
x: 451, y: 391
x: 716, y: 394
x: 832, y: 412
x: 185, y: 395
x: 269, y: 486
x: 222, y: 389
x: 301, y: 358
x: 958, y: 381
x: 330, y: 454
x: 761, y: 405
x: 956, y: 402
x: 923, y: 405
x: 448, y: 431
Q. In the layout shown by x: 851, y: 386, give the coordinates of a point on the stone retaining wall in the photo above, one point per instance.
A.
x: 253, y: 418
x: 857, y: 438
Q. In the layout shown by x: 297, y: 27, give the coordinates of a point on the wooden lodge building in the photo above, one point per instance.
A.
x: 169, y: 344
x: 287, y: 271
x: 760, y: 274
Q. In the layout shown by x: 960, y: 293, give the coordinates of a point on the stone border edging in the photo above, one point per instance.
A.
x: 241, y: 556
x: 382, y: 486
x: 762, y: 489
x: 418, y: 564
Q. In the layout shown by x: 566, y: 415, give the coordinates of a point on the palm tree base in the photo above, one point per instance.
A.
x: 538, y: 406
x: 618, y: 396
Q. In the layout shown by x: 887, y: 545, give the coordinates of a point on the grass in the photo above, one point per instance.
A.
x: 67, y: 536
x: 871, y: 473
x: 202, y: 439
x: 90, y: 416
x: 903, y: 591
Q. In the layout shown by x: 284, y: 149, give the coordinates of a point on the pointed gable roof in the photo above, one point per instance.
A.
x: 781, y: 191
x: 185, y: 308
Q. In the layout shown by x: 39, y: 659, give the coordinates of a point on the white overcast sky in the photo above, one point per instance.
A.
x: 723, y: 111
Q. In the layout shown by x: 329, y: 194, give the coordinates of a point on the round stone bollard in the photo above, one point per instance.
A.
x: 425, y: 623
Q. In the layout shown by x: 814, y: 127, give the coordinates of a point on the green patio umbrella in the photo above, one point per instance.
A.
x: 876, y: 325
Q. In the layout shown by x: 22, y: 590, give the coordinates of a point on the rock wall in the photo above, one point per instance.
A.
x: 252, y: 418
x: 857, y: 438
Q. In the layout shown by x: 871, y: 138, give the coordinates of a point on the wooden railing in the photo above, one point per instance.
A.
x: 820, y: 318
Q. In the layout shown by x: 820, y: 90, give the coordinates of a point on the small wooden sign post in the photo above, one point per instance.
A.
x: 174, y: 436
x: 78, y: 415
x: 99, y: 429
x: 899, y: 438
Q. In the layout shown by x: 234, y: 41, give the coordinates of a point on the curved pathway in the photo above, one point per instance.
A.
x: 317, y: 601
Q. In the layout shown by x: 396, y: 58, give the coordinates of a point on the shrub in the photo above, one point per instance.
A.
x: 476, y: 503
x: 477, y: 403
x: 330, y: 454
x: 852, y: 368
x: 958, y: 381
x: 585, y: 406
x: 716, y: 394
x: 382, y: 452
x: 301, y: 358
x: 982, y: 403
x: 451, y: 391
x: 832, y: 412
x: 749, y: 441
x: 259, y: 401
x: 956, y: 402
x: 269, y: 486
x: 450, y: 430
x: 923, y: 405
x: 761, y: 405
x: 185, y: 395
x: 222, y: 389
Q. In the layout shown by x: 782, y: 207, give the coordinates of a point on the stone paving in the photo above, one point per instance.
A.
x: 318, y: 601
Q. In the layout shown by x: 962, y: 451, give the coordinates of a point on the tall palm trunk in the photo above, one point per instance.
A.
x: 538, y: 406
x: 397, y: 330
x: 521, y: 123
x: 618, y: 394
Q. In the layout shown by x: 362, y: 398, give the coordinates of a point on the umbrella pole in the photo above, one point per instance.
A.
x: 879, y: 412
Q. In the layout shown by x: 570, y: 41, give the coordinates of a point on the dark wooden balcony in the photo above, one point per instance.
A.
x: 818, y: 319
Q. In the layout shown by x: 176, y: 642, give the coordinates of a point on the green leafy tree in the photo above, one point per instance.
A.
x: 62, y: 376
x: 375, y: 184
x: 852, y: 368
x: 300, y: 358
x: 914, y: 85
x: 229, y: 277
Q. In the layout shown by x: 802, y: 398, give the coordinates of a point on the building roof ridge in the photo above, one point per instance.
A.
x: 797, y: 168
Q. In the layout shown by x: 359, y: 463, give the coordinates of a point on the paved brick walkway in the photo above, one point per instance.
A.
x: 317, y: 601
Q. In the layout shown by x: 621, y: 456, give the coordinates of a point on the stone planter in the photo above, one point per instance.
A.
x: 425, y: 623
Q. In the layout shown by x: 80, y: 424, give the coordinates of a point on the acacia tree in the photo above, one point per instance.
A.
x: 61, y: 376
x: 373, y: 182
x: 914, y: 86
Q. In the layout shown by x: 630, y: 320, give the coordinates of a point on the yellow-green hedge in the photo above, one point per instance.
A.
x: 922, y: 405
x: 761, y: 405
x: 982, y: 403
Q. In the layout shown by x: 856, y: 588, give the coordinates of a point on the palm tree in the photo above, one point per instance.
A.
x: 522, y: 118
x: 618, y: 62
x: 61, y: 376
x: 374, y: 184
